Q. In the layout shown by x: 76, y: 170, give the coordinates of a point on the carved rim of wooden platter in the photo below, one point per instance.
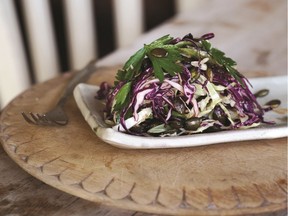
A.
x: 142, y: 180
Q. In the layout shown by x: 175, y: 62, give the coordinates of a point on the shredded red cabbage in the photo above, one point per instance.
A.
x: 213, y: 99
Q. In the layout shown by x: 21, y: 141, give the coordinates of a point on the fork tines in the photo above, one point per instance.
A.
x: 37, y: 119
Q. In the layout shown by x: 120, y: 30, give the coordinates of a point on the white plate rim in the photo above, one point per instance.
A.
x: 85, y: 101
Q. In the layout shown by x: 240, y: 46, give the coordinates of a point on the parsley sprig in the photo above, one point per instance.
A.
x: 161, y: 64
x: 122, y: 97
x: 166, y: 63
x: 166, y: 58
x: 132, y: 66
x: 219, y: 57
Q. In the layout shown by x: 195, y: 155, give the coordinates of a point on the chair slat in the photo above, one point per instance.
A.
x: 41, y: 39
x: 128, y: 21
x: 81, y: 32
x: 14, y: 76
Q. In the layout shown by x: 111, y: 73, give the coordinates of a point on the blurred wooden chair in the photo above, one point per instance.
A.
x: 15, y: 75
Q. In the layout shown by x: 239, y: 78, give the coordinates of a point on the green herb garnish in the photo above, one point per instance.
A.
x: 219, y: 57
x: 121, y: 98
x: 132, y: 66
x: 167, y: 58
x: 161, y: 63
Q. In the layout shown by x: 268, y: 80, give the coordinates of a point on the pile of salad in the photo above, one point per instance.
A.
x: 179, y: 86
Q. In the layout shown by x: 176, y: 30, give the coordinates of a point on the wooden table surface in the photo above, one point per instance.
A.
x: 251, y: 32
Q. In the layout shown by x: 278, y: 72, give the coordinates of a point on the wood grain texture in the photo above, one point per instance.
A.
x: 230, y: 179
x: 22, y: 194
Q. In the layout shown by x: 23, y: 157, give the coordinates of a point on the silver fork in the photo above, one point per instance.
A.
x: 57, y: 115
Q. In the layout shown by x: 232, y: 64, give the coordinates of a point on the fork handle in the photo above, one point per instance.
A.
x: 80, y: 76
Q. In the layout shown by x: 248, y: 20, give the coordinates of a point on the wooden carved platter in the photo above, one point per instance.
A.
x: 238, y: 178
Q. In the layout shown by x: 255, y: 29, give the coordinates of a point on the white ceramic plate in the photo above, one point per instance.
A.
x: 91, y: 109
